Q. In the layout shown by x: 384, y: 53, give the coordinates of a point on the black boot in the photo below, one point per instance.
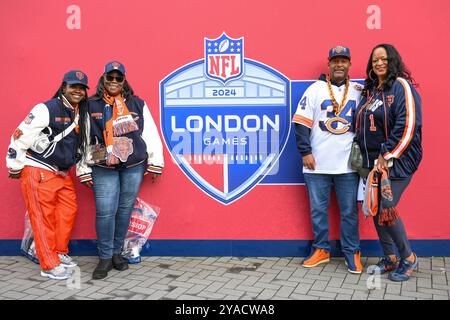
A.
x: 119, y: 263
x: 102, y: 269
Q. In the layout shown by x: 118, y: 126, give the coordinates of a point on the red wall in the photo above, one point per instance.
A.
x: 153, y: 38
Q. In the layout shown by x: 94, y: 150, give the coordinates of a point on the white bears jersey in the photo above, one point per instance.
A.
x: 331, y: 136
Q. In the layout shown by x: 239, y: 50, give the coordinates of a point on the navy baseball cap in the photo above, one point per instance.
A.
x: 114, y: 66
x: 76, y: 77
x: 339, y: 51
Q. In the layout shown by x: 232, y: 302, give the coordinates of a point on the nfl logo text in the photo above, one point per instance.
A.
x: 225, y: 119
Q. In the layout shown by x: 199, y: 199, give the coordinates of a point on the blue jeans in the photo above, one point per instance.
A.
x: 115, y: 191
x: 346, y: 187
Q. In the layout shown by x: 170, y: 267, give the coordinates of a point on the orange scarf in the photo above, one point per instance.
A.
x: 378, y: 184
x: 117, y: 121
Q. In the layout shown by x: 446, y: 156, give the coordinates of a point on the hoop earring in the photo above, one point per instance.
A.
x: 371, y: 70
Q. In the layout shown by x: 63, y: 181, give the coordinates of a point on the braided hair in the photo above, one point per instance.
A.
x: 83, y: 109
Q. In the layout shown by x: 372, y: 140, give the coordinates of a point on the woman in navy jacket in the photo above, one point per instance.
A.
x: 389, y: 133
x: 124, y: 145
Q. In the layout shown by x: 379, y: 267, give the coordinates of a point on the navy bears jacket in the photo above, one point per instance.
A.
x: 390, y: 124
x: 147, y: 145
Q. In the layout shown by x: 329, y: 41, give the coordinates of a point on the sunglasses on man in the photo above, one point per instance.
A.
x: 111, y: 78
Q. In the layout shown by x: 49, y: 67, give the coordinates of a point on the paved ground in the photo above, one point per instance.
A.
x: 223, y: 278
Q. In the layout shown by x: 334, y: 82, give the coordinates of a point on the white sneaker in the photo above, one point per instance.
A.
x: 66, y: 261
x: 57, y: 273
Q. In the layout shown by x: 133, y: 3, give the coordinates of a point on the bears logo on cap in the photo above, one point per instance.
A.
x: 80, y: 75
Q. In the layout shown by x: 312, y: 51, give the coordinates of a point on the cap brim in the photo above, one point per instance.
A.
x: 339, y: 56
x: 123, y: 73
x: 77, y: 82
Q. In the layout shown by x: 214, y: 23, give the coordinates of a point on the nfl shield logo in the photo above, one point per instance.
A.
x: 224, y: 58
x: 225, y: 127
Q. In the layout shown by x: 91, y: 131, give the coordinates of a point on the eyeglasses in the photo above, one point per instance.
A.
x: 111, y: 78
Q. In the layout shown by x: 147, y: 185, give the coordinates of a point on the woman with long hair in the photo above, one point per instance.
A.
x: 43, y: 148
x: 124, y: 145
x: 389, y: 133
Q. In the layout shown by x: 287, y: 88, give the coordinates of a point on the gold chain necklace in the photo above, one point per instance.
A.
x: 338, y: 107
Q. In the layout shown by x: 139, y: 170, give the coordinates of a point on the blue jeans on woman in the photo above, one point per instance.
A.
x: 115, y: 192
x: 319, y: 189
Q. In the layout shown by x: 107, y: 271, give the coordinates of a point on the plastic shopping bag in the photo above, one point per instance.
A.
x: 27, y: 246
x: 143, y: 217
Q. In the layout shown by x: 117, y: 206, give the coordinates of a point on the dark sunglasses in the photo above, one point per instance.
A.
x: 111, y: 78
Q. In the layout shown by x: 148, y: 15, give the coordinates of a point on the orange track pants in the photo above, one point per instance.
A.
x: 52, y: 206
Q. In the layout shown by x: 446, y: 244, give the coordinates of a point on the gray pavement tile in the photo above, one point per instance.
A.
x: 284, y: 292
x: 342, y: 296
x: 252, y: 289
x: 284, y: 275
x: 138, y: 297
x: 157, y: 295
x: 211, y: 295
x: 233, y: 283
x: 322, y: 294
x: 196, y: 289
x: 335, y: 282
x: 252, y: 273
x: 265, y: 285
x: 241, y: 277
x: 418, y: 295
x: 190, y: 297
x: 438, y: 297
x: 200, y: 281
x: 213, y: 287
x: 29, y: 297
x: 296, y: 296
x: 288, y: 283
x: 231, y: 292
x: 319, y: 285
x: 302, y: 288
x: 232, y: 298
x: 317, y: 277
x: 433, y: 291
x: 267, y: 294
x: 339, y: 290
x: 142, y: 290
x: 393, y: 289
x: 174, y: 294
x: 13, y: 294
x: 181, y: 284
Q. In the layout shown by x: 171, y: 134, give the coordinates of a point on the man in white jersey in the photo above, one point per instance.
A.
x: 324, y: 135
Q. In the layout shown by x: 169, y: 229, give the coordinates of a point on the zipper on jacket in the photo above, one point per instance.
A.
x: 365, y: 140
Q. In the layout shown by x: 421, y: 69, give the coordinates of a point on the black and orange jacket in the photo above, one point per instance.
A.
x: 391, y: 125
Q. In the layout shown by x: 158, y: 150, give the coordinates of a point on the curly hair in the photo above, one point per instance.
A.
x: 396, y: 68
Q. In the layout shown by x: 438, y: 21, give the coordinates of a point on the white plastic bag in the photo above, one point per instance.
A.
x: 27, y: 246
x: 143, y: 217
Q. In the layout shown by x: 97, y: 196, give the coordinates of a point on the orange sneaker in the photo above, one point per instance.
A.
x: 318, y: 257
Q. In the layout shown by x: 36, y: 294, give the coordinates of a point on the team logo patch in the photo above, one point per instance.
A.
x: 122, y: 148
x: 116, y: 65
x: 12, y: 154
x: 390, y: 100
x: 79, y: 75
x: 224, y: 58
x: 29, y: 118
x: 225, y: 119
x: 17, y: 134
